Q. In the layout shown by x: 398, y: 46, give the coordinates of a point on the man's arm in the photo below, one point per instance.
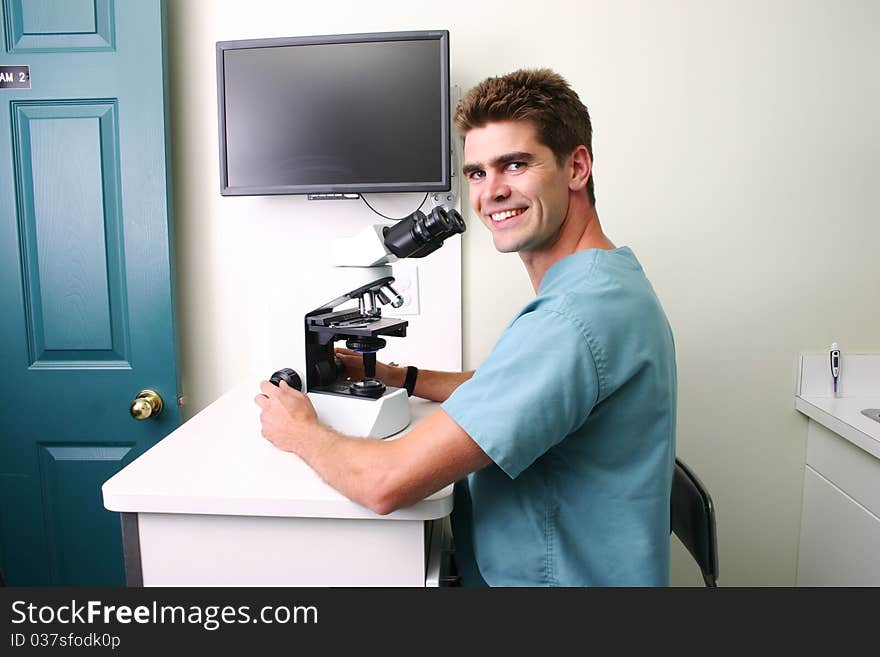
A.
x: 381, y: 475
x: 431, y: 385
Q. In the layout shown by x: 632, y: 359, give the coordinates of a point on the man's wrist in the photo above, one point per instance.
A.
x: 409, y: 382
x: 395, y: 376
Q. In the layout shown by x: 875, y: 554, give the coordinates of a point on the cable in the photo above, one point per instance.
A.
x: 385, y: 216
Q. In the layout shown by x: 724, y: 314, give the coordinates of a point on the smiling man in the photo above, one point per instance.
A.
x: 562, y: 441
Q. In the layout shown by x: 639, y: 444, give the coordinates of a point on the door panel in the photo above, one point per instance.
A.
x: 67, y: 476
x: 85, y: 280
x: 72, y: 251
x: 56, y: 25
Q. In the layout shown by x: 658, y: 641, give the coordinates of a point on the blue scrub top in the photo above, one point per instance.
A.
x: 576, y: 408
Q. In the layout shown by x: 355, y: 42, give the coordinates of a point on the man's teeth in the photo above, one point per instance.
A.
x: 507, y: 214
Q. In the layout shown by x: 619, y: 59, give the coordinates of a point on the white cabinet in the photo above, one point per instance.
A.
x: 215, y: 504
x: 840, y: 522
x: 206, y: 550
x: 840, y: 529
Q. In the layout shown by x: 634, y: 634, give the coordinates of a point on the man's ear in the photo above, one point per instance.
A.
x: 581, y: 166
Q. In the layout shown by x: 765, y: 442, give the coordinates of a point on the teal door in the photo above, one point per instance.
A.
x: 85, y: 282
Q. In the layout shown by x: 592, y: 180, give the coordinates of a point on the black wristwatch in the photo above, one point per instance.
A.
x: 410, y: 381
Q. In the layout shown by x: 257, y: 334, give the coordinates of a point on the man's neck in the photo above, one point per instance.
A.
x: 580, y: 230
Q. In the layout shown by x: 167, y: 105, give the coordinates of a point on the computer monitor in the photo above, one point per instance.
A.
x: 335, y: 114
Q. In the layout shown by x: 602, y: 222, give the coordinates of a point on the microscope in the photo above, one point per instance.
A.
x: 366, y: 407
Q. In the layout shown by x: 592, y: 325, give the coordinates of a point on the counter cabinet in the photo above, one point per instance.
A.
x: 840, y: 520
x: 204, y: 550
x: 215, y: 504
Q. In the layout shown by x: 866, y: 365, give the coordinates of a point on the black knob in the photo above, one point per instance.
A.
x: 365, y: 343
x: 289, y: 376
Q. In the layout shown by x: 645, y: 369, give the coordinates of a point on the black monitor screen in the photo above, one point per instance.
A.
x: 349, y: 113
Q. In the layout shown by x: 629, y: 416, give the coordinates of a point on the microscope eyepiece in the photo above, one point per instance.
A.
x: 419, y: 234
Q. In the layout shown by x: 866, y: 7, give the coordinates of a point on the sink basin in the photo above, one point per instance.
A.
x: 873, y: 413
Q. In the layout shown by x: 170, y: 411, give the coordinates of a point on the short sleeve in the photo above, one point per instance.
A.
x: 538, y: 385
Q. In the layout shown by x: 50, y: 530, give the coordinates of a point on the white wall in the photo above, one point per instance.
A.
x: 736, y: 144
x: 250, y: 267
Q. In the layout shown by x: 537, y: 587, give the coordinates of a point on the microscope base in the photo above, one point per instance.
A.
x: 361, y: 416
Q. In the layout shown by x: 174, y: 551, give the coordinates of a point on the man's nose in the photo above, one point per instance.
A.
x: 496, y: 189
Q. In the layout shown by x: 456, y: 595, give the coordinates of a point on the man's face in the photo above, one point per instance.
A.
x: 516, y: 186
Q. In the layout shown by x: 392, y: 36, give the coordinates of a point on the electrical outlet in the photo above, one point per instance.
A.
x: 406, y: 282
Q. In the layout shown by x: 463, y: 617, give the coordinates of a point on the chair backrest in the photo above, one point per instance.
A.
x: 692, y: 518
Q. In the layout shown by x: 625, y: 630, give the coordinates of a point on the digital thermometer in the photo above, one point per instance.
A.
x: 835, y: 366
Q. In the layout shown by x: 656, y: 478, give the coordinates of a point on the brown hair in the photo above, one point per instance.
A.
x: 540, y: 96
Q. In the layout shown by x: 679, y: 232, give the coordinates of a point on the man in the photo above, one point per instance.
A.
x: 566, y: 431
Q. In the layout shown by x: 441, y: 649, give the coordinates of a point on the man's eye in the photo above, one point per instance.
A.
x: 476, y: 175
x: 516, y: 166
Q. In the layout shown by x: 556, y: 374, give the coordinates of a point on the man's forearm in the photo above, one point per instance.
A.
x: 385, y: 475
x: 431, y: 385
x: 437, y: 386
x: 380, y: 475
x: 353, y: 466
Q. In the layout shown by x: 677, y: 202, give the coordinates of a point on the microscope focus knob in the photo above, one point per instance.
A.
x: 289, y: 376
x: 365, y: 343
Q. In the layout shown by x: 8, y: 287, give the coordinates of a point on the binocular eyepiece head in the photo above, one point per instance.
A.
x: 419, y: 234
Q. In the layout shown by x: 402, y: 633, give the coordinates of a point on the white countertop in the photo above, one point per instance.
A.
x: 218, y: 463
x: 844, y: 417
x: 859, y: 389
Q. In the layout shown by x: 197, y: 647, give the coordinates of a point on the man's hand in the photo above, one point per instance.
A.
x: 288, y: 417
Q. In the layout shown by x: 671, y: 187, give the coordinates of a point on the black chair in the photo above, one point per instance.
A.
x: 692, y: 517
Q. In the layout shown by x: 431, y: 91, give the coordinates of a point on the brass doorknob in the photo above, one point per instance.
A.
x: 148, y: 403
